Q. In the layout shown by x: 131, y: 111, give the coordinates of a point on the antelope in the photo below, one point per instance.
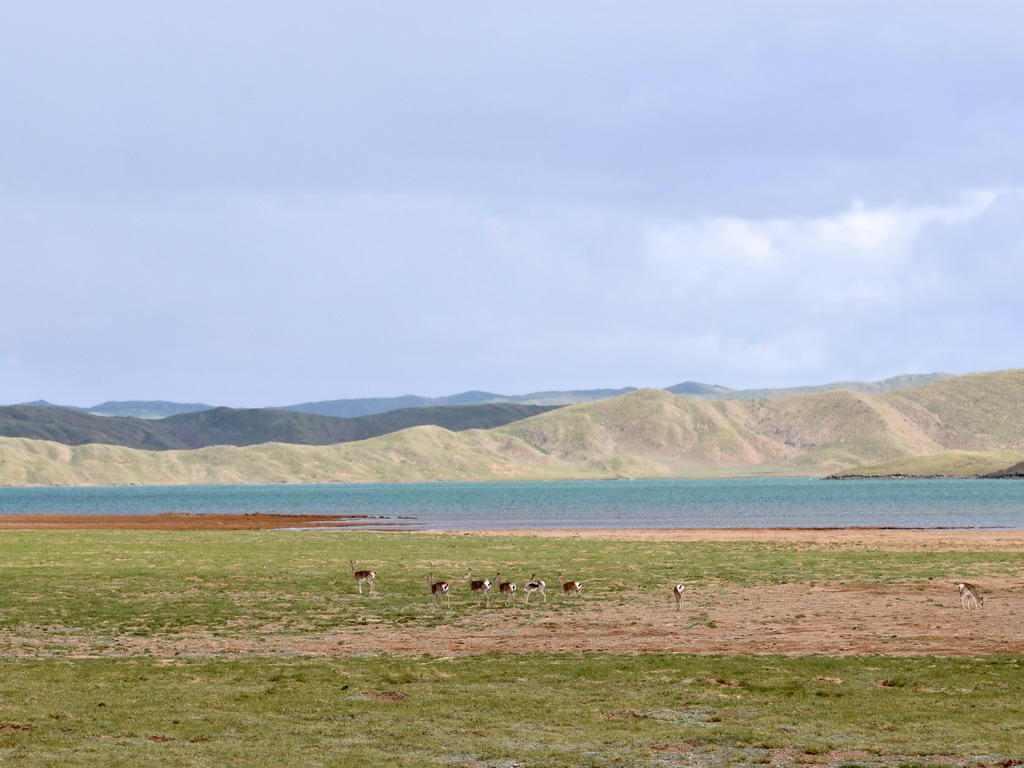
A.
x: 363, y: 577
x: 479, y: 585
x: 572, y: 587
x: 970, y: 592
x: 507, y: 589
x: 677, y: 593
x: 438, y: 588
x: 535, y: 585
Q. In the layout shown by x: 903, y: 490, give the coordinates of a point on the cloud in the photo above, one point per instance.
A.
x: 867, y: 287
x: 304, y: 298
x: 250, y: 203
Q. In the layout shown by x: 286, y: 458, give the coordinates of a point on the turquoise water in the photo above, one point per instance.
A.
x: 761, y: 502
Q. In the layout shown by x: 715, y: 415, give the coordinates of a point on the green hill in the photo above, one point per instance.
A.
x: 71, y: 426
x: 974, y: 422
x: 377, y: 405
x: 239, y: 427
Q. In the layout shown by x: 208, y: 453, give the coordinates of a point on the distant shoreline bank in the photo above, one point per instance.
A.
x: 883, y: 537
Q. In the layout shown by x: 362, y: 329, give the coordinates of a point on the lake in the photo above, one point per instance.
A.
x: 720, y: 503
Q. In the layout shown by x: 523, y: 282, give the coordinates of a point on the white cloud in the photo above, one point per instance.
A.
x: 312, y: 298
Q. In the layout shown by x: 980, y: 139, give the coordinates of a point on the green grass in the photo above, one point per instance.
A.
x: 107, y: 583
x: 71, y: 595
x: 536, y: 710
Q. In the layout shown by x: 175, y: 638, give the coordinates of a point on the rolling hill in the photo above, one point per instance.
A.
x: 646, y: 433
x: 239, y: 427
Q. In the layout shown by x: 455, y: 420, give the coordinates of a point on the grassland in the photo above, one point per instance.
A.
x: 253, y: 648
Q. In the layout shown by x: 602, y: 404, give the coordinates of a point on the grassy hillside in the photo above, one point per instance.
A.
x: 74, y: 427
x: 231, y: 426
x: 942, y: 464
x: 976, y: 412
x: 647, y: 433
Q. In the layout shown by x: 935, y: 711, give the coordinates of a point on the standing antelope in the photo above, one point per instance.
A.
x: 535, y: 585
x: 479, y: 585
x: 363, y: 577
x: 970, y: 592
x: 438, y: 588
x: 507, y: 589
x: 572, y: 587
x: 677, y: 593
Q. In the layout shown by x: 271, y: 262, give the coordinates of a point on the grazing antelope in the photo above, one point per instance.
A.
x: 479, y: 585
x: 507, y: 589
x: 572, y: 587
x: 970, y: 592
x: 363, y: 577
x: 677, y: 593
x: 438, y: 588
x: 535, y: 585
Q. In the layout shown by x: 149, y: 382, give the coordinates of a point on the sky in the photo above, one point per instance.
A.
x: 263, y: 203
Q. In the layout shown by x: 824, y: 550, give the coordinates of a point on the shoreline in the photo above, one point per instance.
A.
x: 886, y: 537
x: 187, y: 521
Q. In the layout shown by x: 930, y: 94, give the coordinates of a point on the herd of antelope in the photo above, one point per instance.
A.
x: 507, y: 589
x: 571, y: 588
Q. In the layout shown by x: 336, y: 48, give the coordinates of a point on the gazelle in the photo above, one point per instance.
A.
x: 535, y: 585
x: 677, y: 593
x: 970, y: 592
x: 507, y: 589
x: 438, y: 588
x: 363, y: 577
x: 572, y: 587
x: 479, y: 585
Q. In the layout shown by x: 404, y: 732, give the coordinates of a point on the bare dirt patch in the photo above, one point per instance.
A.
x: 787, y: 619
x: 939, y: 539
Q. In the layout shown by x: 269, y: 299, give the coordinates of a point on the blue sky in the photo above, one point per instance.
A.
x: 262, y: 203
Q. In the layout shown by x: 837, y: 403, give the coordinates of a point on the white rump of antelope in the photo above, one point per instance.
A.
x: 677, y: 593
x: 969, y: 592
x: 438, y: 588
x: 570, y: 588
x: 479, y: 586
x: 506, y: 588
x: 535, y: 585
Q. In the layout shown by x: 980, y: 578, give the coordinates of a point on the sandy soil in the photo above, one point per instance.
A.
x: 827, y: 618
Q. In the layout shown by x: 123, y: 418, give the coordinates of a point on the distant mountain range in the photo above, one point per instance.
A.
x: 353, y: 408
x: 716, y: 392
x: 239, y: 427
x: 969, y: 425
